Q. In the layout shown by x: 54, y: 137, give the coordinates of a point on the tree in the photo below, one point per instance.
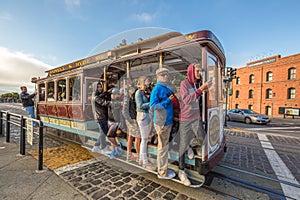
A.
x: 123, y: 43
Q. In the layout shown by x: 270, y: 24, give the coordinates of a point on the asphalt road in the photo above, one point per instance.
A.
x: 278, y: 126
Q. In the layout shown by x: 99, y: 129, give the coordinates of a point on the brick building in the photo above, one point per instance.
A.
x: 268, y: 85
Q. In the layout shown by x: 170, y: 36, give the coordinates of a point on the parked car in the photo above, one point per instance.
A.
x: 247, y: 116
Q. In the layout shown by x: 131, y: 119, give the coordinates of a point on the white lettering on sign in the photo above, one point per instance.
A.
x: 29, y: 127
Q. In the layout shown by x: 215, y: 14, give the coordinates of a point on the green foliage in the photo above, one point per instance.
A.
x: 10, y: 95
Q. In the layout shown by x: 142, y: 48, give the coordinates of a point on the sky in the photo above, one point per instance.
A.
x: 37, y: 35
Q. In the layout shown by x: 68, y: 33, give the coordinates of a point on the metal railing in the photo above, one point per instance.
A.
x: 20, y: 121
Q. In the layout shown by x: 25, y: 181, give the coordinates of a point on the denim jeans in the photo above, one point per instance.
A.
x: 30, y: 110
x: 145, y: 127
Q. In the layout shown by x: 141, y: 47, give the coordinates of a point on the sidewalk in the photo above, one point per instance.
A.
x: 20, y: 179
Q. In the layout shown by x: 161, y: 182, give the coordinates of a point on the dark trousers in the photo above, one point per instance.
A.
x: 191, y: 135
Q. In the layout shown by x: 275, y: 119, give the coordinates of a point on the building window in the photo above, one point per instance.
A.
x: 237, y: 94
x: 269, y: 94
x: 250, y: 107
x: 268, y: 110
x: 291, y: 93
x: 238, y: 80
x: 251, y: 94
x: 236, y: 105
x: 251, y: 78
x: 292, y: 73
x: 269, y: 76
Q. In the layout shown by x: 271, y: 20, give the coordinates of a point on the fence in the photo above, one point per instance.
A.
x: 21, y: 121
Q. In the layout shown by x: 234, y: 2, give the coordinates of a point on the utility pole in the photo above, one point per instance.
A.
x: 226, y: 80
x: 230, y: 74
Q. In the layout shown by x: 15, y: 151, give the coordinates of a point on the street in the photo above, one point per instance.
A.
x: 277, y: 126
x: 264, y: 155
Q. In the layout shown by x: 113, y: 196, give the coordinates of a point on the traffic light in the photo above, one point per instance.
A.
x: 228, y: 71
x: 233, y: 73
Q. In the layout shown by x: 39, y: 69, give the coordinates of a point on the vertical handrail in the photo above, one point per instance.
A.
x: 22, y: 136
x: 1, y: 123
x: 7, y: 127
x: 41, y: 144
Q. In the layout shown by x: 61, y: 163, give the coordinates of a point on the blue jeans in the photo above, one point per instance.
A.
x: 101, y: 141
x: 30, y: 110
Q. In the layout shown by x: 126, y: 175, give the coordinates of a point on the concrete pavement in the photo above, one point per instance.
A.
x: 19, y: 178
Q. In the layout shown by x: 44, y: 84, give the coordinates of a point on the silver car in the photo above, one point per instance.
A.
x: 247, y: 116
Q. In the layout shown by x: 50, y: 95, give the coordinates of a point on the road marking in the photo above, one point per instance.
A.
x: 280, y: 169
x: 271, y: 128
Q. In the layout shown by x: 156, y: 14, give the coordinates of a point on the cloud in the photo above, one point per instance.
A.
x: 144, y: 17
x: 17, y: 68
x: 5, y: 16
x: 71, y: 4
x: 74, y: 9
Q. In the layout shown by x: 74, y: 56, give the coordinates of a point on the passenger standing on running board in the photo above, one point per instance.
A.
x: 161, y: 103
x: 191, y: 129
x: 27, y: 102
x: 129, y: 113
x: 143, y: 119
x: 114, y: 118
x: 99, y: 114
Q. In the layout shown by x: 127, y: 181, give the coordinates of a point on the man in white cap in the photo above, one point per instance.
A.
x: 161, y: 102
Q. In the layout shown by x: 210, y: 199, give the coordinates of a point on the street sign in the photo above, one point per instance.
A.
x: 29, y: 127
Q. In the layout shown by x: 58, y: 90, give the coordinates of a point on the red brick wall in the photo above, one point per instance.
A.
x: 279, y: 85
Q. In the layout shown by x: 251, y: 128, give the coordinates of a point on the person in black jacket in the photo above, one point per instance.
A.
x: 100, y: 115
x: 102, y: 103
x: 28, y: 102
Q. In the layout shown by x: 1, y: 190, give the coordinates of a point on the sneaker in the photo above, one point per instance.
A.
x: 106, y: 150
x: 112, y: 154
x: 96, y: 149
x: 149, y: 166
x: 171, y: 174
x: 119, y: 150
x: 190, y: 153
x: 183, y: 178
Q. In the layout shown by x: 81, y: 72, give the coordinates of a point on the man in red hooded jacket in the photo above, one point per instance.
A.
x: 191, y: 90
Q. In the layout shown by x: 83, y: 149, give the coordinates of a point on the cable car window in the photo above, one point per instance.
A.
x: 61, y: 90
x: 75, y: 88
x: 50, y: 94
x: 213, y: 76
x: 89, y: 89
x: 42, y: 92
